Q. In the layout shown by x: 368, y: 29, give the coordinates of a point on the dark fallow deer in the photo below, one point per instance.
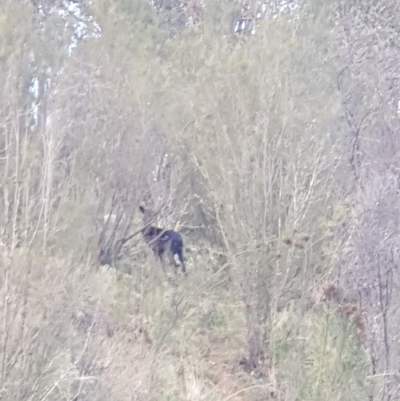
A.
x: 162, y: 242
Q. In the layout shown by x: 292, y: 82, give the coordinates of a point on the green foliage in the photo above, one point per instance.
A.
x: 336, y: 364
x: 318, y: 355
x: 15, y: 27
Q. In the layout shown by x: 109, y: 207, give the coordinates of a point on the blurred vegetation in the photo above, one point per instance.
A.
x: 265, y: 134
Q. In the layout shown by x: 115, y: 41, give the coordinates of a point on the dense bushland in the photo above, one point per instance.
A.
x: 265, y: 135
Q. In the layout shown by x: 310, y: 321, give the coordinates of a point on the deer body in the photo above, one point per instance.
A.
x: 164, y: 243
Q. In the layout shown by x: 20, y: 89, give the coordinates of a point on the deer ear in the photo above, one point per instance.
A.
x: 141, y: 208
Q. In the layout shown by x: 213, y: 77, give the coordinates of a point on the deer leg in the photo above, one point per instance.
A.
x: 162, y: 259
x: 173, y: 262
x: 159, y: 254
x: 183, y: 267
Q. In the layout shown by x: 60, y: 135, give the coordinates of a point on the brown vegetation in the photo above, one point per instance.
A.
x: 266, y: 137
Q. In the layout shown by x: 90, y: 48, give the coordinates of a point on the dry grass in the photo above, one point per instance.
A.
x: 74, y: 330
x: 242, y: 145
